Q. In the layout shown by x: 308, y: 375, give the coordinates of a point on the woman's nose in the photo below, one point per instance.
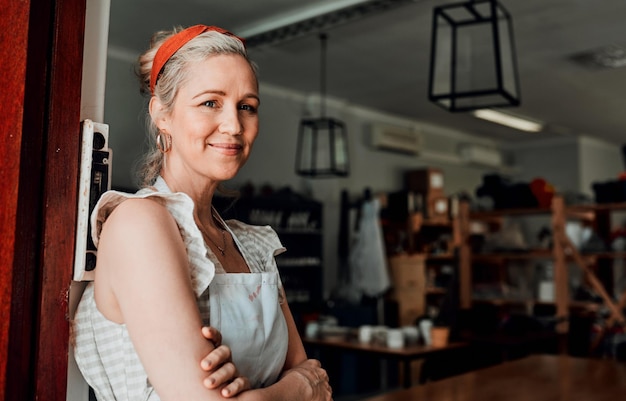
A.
x: 230, y: 123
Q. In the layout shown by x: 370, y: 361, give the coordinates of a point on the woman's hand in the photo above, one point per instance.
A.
x: 315, y: 380
x: 223, y: 371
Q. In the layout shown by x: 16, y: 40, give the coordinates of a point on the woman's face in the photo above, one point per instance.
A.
x: 214, y: 120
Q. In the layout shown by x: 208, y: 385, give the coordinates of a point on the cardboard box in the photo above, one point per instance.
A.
x: 411, y: 305
x: 408, y: 271
x: 408, y: 275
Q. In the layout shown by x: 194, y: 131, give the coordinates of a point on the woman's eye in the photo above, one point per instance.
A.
x: 209, y: 103
x: 248, y: 107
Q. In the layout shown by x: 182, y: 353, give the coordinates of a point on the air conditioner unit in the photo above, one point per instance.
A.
x: 397, y: 139
x: 480, y: 155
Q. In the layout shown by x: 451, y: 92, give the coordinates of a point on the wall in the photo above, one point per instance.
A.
x: 602, y: 162
x: 124, y: 111
x: 555, y: 160
x: 571, y: 163
x: 273, y: 158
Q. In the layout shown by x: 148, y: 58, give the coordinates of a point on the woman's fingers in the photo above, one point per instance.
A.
x: 213, y: 335
x: 222, y: 371
x: 239, y: 385
x: 224, y: 374
x: 228, y: 377
x: 219, y: 356
x: 316, y: 378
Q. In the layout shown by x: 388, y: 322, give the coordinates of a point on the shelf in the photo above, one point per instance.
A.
x: 589, y: 213
x: 541, y: 254
x: 437, y: 223
x: 436, y: 291
x: 502, y: 301
x: 609, y: 207
x: 496, y: 257
x: 604, y: 255
x: 440, y: 258
x: 584, y: 305
x: 491, y: 214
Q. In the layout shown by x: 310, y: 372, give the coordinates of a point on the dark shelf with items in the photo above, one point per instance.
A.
x: 485, y: 279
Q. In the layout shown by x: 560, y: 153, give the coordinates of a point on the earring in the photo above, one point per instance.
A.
x: 164, y: 142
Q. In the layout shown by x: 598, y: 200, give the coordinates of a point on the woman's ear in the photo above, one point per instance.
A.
x: 158, y: 113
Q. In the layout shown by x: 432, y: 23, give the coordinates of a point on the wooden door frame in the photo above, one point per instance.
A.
x: 39, y: 159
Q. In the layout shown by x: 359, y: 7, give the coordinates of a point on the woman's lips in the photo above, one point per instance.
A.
x: 227, y: 148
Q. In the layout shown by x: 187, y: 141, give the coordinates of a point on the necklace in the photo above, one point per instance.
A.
x: 222, y: 248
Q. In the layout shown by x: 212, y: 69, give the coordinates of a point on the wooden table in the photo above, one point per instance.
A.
x: 534, y: 378
x: 404, y: 355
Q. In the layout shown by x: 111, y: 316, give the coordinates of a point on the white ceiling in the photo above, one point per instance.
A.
x: 381, y: 61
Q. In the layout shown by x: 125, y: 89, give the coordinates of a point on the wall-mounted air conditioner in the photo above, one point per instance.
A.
x: 397, y: 139
x: 480, y: 155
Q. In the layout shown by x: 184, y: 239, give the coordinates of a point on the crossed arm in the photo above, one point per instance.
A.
x: 224, y: 375
x: 142, y: 280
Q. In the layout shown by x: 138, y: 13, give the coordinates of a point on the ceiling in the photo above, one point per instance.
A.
x: 381, y: 61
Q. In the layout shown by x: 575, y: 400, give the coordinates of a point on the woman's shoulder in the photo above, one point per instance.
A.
x: 139, y: 212
x: 150, y: 212
x: 128, y: 209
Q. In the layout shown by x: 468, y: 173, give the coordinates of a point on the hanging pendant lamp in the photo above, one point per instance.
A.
x: 472, y: 60
x: 322, y: 148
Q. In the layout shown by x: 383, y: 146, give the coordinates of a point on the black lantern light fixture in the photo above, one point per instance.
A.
x: 472, y: 61
x: 322, y: 148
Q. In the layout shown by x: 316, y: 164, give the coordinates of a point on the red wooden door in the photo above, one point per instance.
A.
x: 41, y: 42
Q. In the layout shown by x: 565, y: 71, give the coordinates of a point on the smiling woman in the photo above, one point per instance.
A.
x: 213, y: 119
x: 169, y: 264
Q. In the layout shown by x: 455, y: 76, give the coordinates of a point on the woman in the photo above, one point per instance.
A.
x: 168, y: 264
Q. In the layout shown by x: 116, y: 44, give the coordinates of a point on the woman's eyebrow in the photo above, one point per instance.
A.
x: 210, y: 91
x: 222, y: 93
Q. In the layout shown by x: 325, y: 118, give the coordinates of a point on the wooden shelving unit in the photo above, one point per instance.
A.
x: 562, y: 253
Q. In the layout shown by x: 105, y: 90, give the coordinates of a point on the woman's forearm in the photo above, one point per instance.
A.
x: 286, y: 389
x: 306, y: 382
x: 289, y: 388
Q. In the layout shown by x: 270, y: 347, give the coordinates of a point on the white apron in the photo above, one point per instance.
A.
x: 246, y: 310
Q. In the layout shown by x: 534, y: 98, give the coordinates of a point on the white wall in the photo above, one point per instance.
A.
x: 555, y: 160
x: 601, y: 161
x: 570, y: 163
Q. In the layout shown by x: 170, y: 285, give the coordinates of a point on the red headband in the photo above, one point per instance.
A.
x: 175, y: 42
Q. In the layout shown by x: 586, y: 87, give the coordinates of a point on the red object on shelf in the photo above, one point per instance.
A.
x: 543, y: 191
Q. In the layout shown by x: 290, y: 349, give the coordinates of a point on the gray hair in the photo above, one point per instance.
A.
x: 173, y: 76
